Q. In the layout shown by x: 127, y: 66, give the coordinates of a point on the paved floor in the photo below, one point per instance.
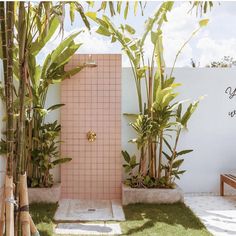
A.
x: 87, y: 229
x: 217, y: 213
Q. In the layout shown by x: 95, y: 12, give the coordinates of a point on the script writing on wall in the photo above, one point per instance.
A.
x: 231, y: 93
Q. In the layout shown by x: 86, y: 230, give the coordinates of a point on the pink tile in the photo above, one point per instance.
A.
x: 93, y: 102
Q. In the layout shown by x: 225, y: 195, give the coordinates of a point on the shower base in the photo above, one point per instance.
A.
x: 74, y: 210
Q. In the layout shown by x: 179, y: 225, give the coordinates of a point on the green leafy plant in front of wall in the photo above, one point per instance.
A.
x: 161, y: 118
x: 36, y: 142
x: 35, y: 24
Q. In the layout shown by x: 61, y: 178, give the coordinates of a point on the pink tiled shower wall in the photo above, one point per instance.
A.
x: 93, y: 102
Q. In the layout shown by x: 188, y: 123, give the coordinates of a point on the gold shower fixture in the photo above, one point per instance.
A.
x: 91, y: 136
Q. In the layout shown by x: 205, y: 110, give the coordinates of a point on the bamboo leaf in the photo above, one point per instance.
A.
x: 126, y: 10
x: 126, y: 156
x: 184, y: 152
x: 168, y: 145
x: 103, y: 31
x: 72, y: 12
x: 54, y: 107
x: 177, y: 163
x: 136, y: 7
x: 92, y: 15
x: 129, y: 29
x: 61, y: 161
x: 45, y: 36
x: 203, y: 23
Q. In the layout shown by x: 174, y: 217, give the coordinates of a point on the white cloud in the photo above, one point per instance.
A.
x: 176, y: 31
x: 94, y: 43
x: 215, y: 50
x: 209, y: 44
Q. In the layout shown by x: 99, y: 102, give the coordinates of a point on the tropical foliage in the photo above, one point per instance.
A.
x: 33, y: 81
x: 161, y: 115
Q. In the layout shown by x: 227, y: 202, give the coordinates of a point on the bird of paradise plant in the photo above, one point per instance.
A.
x: 158, y: 108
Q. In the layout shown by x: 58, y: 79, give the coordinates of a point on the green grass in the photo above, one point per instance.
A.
x: 141, y: 220
x: 42, y: 215
x: 162, y: 220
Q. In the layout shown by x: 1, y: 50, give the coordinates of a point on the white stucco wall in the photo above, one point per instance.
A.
x: 211, y: 129
x: 53, y: 98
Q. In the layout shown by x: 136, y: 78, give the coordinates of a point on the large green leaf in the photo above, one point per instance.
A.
x: 103, y: 31
x: 190, y: 110
x: 66, y: 55
x: 65, y: 43
x: 44, y: 36
x: 68, y: 74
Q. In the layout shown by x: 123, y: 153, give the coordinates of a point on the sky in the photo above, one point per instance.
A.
x: 213, y: 42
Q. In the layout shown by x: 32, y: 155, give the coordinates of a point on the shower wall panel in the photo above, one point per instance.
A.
x: 92, y: 101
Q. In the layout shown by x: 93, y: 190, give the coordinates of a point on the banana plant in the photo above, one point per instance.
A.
x: 131, y: 45
x: 159, y: 104
x: 52, y: 71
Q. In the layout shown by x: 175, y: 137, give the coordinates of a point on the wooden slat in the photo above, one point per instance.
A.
x: 228, y: 179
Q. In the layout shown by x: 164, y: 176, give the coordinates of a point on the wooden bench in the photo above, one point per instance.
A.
x: 228, y: 179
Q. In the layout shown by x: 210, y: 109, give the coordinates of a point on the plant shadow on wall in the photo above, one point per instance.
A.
x: 161, y: 118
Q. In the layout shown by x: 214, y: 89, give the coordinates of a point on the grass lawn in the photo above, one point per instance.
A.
x: 42, y: 215
x: 141, y: 219
x: 162, y: 220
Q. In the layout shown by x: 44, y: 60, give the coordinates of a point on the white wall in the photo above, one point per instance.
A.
x: 53, y: 97
x: 211, y: 130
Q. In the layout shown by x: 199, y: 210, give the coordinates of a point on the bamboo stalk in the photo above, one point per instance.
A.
x: 24, y: 206
x: 21, y: 109
x: 9, y: 87
x: 33, y: 229
x: 4, y: 41
x: 9, y: 206
x: 2, y: 219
